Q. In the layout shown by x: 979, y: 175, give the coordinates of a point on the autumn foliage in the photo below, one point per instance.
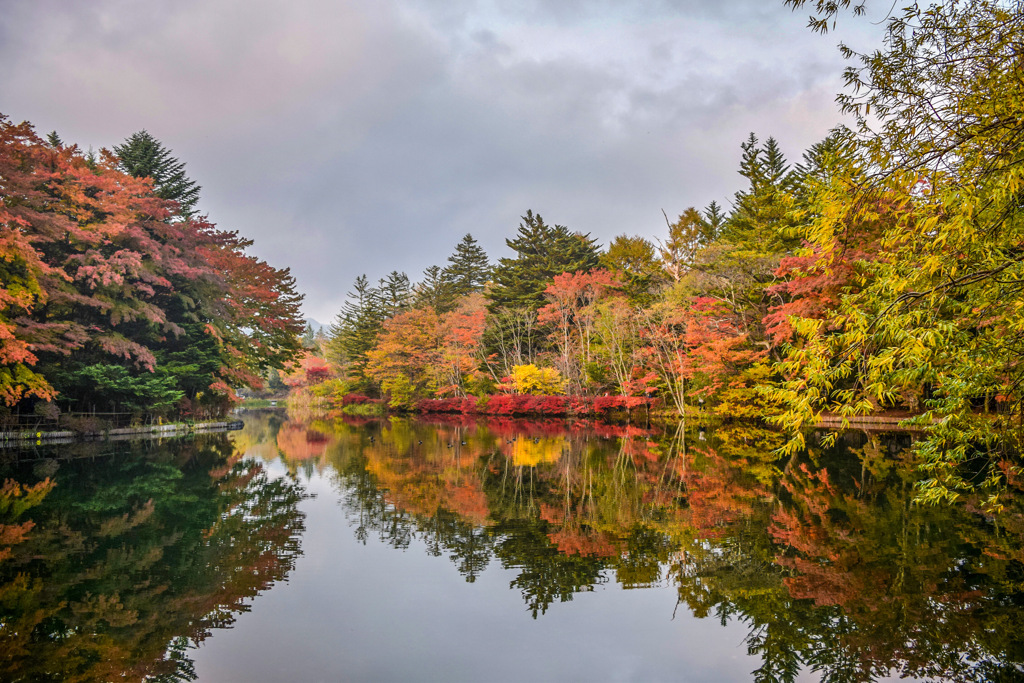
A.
x: 525, y: 404
x: 108, y: 297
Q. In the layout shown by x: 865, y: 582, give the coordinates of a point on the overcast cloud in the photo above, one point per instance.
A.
x: 361, y: 136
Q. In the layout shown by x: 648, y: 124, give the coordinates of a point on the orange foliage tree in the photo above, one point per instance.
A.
x: 103, y: 288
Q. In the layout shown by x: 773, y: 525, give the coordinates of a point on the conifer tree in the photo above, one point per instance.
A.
x: 469, y: 268
x: 434, y: 291
x: 715, y: 219
x: 309, y: 337
x: 735, y: 259
x: 395, y: 293
x: 764, y: 209
x: 355, y: 329
x: 143, y: 156
x: 542, y: 252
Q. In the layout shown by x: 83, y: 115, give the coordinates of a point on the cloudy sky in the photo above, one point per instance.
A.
x: 364, y: 136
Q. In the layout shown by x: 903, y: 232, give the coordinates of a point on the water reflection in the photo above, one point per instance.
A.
x: 824, y: 558
x: 137, y: 552
x: 115, y: 564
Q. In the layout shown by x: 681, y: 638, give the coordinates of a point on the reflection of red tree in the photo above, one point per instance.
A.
x: 298, y: 442
x: 719, y: 495
x: 828, y: 561
x: 552, y: 514
x: 423, y: 482
x: 576, y: 540
x: 469, y: 502
x: 14, y: 500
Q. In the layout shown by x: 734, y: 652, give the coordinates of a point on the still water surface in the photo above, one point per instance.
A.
x: 458, y: 550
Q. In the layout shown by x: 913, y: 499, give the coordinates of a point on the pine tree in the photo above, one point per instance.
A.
x: 434, y: 291
x: 715, y: 219
x: 823, y: 161
x: 763, y: 211
x: 143, y: 156
x: 395, y: 293
x: 542, y: 252
x: 737, y: 262
x: 775, y: 167
x: 54, y: 140
x: 469, y: 268
x: 355, y: 329
x: 309, y: 337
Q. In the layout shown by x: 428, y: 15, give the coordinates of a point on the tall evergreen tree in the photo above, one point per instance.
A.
x: 741, y: 258
x: 434, y: 291
x: 355, y: 329
x: 395, y: 293
x: 469, y: 268
x: 764, y: 210
x: 822, y: 163
x: 715, y: 219
x: 143, y: 156
x: 542, y: 252
x: 309, y: 337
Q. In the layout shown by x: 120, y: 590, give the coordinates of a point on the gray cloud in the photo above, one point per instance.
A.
x: 364, y: 136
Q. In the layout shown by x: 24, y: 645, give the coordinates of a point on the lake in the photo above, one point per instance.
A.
x: 456, y: 549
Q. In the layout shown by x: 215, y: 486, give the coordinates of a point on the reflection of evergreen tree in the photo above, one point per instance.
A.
x: 843, y: 575
x: 544, y: 574
x: 520, y: 539
x: 137, y: 555
x: 641, y: 565
x: 471, y: 552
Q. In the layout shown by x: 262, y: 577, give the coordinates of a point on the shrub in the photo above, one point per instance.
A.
x: 529, y: 379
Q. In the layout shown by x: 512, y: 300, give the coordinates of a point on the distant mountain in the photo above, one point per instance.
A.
x: 317, y: 325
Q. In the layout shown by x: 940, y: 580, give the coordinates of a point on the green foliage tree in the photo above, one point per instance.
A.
x: 355, y: 330
x: 763, y: 211
x: 939, y: 113
x: 143, y: 156
x: 434, y: 291
x: 635, y: 259
x: 468, y: 268
x: 139, y: 393
x: 394, y: 293
x: 542, y: 252
x: 737, y: 262
x: 309, y: 337
x: 715, y: 218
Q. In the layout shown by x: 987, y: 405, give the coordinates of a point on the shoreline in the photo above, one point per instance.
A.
x: 14, y: 439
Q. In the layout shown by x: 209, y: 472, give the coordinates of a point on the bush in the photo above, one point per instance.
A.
x: 529, y: 379
x: 525, y: 404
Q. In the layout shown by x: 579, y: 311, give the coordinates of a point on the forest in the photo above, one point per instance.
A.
x: 117, y: 298
x: 880, y: 274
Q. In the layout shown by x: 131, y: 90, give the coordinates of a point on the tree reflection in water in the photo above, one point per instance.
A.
x: 135, y: 555
x: 825, y: 558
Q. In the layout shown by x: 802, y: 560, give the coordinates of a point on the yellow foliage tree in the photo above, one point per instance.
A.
x: 529, y: 379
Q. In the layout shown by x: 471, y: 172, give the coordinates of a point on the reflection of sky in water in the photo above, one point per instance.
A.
x: 355, y: 612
